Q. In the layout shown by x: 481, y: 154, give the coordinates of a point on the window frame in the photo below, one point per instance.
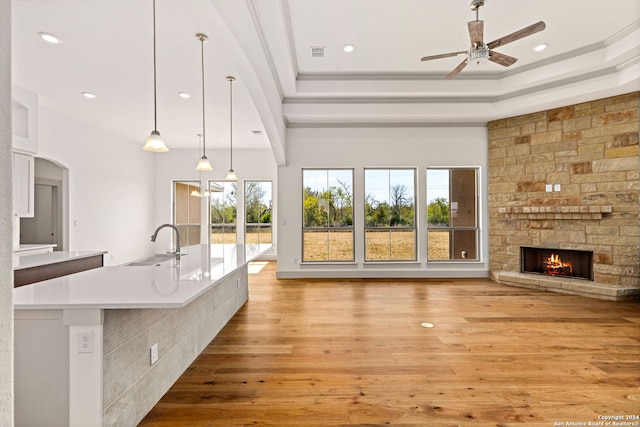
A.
x: 450, y: 228
x: 328, y: 229
x: 390, y: 228
x: 246, y: 210
x: 234, y: 225
x: 185, y: 236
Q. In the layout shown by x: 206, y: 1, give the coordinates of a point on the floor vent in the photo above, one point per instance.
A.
x: 317, y: 51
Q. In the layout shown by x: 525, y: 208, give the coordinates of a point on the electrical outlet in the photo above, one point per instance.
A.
x: 154, y: 353
x: 85, y: 342
x: 237, y: 283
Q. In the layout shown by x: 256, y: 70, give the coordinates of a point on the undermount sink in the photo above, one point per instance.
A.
x: 152, y: 260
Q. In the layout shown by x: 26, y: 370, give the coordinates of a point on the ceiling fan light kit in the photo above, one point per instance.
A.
x: 479, y: 52
x: 478, y: 56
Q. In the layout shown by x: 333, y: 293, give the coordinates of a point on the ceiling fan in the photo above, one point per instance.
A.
x: 480, y: 52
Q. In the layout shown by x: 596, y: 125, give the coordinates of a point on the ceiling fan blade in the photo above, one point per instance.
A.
x: 527, y: 31
x: 501, y: 58
x: 476, y: 31
x: 457, y: 69
x: 443, y: 55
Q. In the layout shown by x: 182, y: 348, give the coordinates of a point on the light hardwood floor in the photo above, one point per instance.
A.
x: 332, y: 353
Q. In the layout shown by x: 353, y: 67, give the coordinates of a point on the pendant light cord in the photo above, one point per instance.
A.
x: 231, y: 79
x: 155, y: 101
x: 204, y: 138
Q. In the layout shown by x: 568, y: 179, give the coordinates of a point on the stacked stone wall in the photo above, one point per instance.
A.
x: 589, y: 150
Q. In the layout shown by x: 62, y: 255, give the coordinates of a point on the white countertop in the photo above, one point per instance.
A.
x: 34, y: 246
x: 37, y: 260
x: 170, y: 284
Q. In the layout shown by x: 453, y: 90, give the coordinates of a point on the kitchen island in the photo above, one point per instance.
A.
x: 102, y: 346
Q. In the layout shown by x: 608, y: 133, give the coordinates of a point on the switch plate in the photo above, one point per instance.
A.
x: 85, y: 342
x: 549, y: 188
x: 154, y: 353
x: 556, y: 187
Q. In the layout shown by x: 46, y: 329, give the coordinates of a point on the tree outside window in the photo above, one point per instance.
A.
x: 258, y: 212
x: 327, y: 215
x: 223, y: 206
x: 390, y: 227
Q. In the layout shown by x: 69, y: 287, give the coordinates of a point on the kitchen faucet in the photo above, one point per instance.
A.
x: 155, y: 234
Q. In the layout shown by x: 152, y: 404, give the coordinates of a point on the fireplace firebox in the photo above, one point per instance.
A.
x: 557, y: 262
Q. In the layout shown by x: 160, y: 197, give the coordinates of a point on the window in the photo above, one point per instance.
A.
x: 327, y: 227
x: 186, y: 211
x: 223, y: 211
x: 257, y: 199
x: 390, y: 227
x: 452, y: 218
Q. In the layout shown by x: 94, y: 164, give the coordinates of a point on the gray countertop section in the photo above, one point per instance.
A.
x: 37, y: 260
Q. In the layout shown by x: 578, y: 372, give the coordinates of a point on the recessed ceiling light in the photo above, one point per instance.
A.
x: 184, y: 95
x: 348, y: 48
x: 89, y: 95
x: 50, y: 38
x: 540, y: 47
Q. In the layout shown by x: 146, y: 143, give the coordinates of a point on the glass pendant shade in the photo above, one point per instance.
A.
x: 155, y: 143
x: 231, y: 176
x: 204, y: 164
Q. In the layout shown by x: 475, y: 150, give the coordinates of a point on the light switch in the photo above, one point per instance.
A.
x: 549, y: 188
x: 556, y: 187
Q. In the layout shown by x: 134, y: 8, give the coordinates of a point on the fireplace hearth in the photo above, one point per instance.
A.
x: 557, y: 262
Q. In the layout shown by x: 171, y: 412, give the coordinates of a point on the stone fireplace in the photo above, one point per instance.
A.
x: 564, y: 180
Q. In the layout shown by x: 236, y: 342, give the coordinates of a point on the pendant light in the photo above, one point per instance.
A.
x: 231, y: 175
x: 200, y: 191
x: 203, y: 163
x: 155, y: 142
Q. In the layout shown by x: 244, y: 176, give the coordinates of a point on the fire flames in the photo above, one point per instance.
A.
x: 554, y: 265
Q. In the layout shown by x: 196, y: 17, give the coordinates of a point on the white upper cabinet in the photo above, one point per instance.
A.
x: 24, y: 120
x: 23, y: 185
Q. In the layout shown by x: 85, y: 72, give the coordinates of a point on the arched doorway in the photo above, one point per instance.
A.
x: 49, y: 224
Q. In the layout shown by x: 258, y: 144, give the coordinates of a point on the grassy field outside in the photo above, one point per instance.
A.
x: 337, y: 246
x: 263, y: 238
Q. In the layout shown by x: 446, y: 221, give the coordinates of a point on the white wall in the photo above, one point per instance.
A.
x: 6, y: 221
x: 181, y: 165
x: 377, y: 147
x: 110, y: 186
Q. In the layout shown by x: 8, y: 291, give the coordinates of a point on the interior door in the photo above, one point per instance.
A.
x: 42, y: 227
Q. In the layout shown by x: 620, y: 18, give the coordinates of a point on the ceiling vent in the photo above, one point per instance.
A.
x: 317, y: 51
